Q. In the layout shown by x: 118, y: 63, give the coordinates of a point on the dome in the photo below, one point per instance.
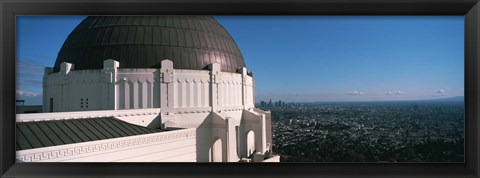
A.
x: 191, y: 42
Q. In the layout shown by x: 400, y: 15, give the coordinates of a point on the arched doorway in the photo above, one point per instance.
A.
x: 216, y: 150
x: 250, y: 143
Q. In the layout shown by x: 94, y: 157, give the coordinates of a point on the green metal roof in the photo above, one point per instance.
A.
x: 59, y: 132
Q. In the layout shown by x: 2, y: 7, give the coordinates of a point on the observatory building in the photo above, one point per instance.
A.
x: 147, y: 89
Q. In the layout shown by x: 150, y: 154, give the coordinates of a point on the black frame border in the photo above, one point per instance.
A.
x: 469, y: 8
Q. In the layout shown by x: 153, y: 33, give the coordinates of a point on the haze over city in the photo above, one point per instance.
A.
x: 304, y: 59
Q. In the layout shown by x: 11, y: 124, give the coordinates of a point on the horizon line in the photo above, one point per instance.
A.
x: 345, y: 101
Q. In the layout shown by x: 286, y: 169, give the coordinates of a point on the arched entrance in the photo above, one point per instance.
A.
x: 250, y: 143
x: 216, y: 150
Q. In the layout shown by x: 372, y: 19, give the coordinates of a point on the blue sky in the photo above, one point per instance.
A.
x: 304, y: 58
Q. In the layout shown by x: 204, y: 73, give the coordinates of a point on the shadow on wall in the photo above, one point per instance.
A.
x: 242, y: 133
x: 204, y: 140
x: 156, y: 123
x: 211, y: 130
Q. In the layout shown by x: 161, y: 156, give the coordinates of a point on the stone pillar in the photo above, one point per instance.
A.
x: 244, y: 87
x: 215, y: 80
x: 110, y: 69
x: 263, y: 136
x: 150, y: 93
x: 65, y: 69
x: 46, y: 97
x: 167, y: 82
x: 253, y: 91
x: 134, y: 94
x: 144, y: 91
x: 231, y: 139
x: 126, y: 93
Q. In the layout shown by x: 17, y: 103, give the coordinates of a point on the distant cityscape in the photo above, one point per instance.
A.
x: 389, y: 131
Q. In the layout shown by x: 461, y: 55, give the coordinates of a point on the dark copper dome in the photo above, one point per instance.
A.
x: 191, y: 42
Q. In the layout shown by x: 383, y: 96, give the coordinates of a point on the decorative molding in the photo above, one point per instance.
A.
x: 192, y: 110
x: 233, y: 108
x: 101, y: 145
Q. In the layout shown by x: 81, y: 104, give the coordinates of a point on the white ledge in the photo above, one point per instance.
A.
x: 84, y: 114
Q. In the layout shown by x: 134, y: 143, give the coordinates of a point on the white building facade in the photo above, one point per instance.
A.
x: 206, y: 115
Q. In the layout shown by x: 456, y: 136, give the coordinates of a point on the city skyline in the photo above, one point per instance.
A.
x: 331, y: 58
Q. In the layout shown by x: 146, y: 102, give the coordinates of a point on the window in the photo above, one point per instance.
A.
x: 84, y: 104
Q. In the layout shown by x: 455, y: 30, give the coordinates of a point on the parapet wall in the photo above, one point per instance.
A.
x: 169, y: 146
x: 120, y: 89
